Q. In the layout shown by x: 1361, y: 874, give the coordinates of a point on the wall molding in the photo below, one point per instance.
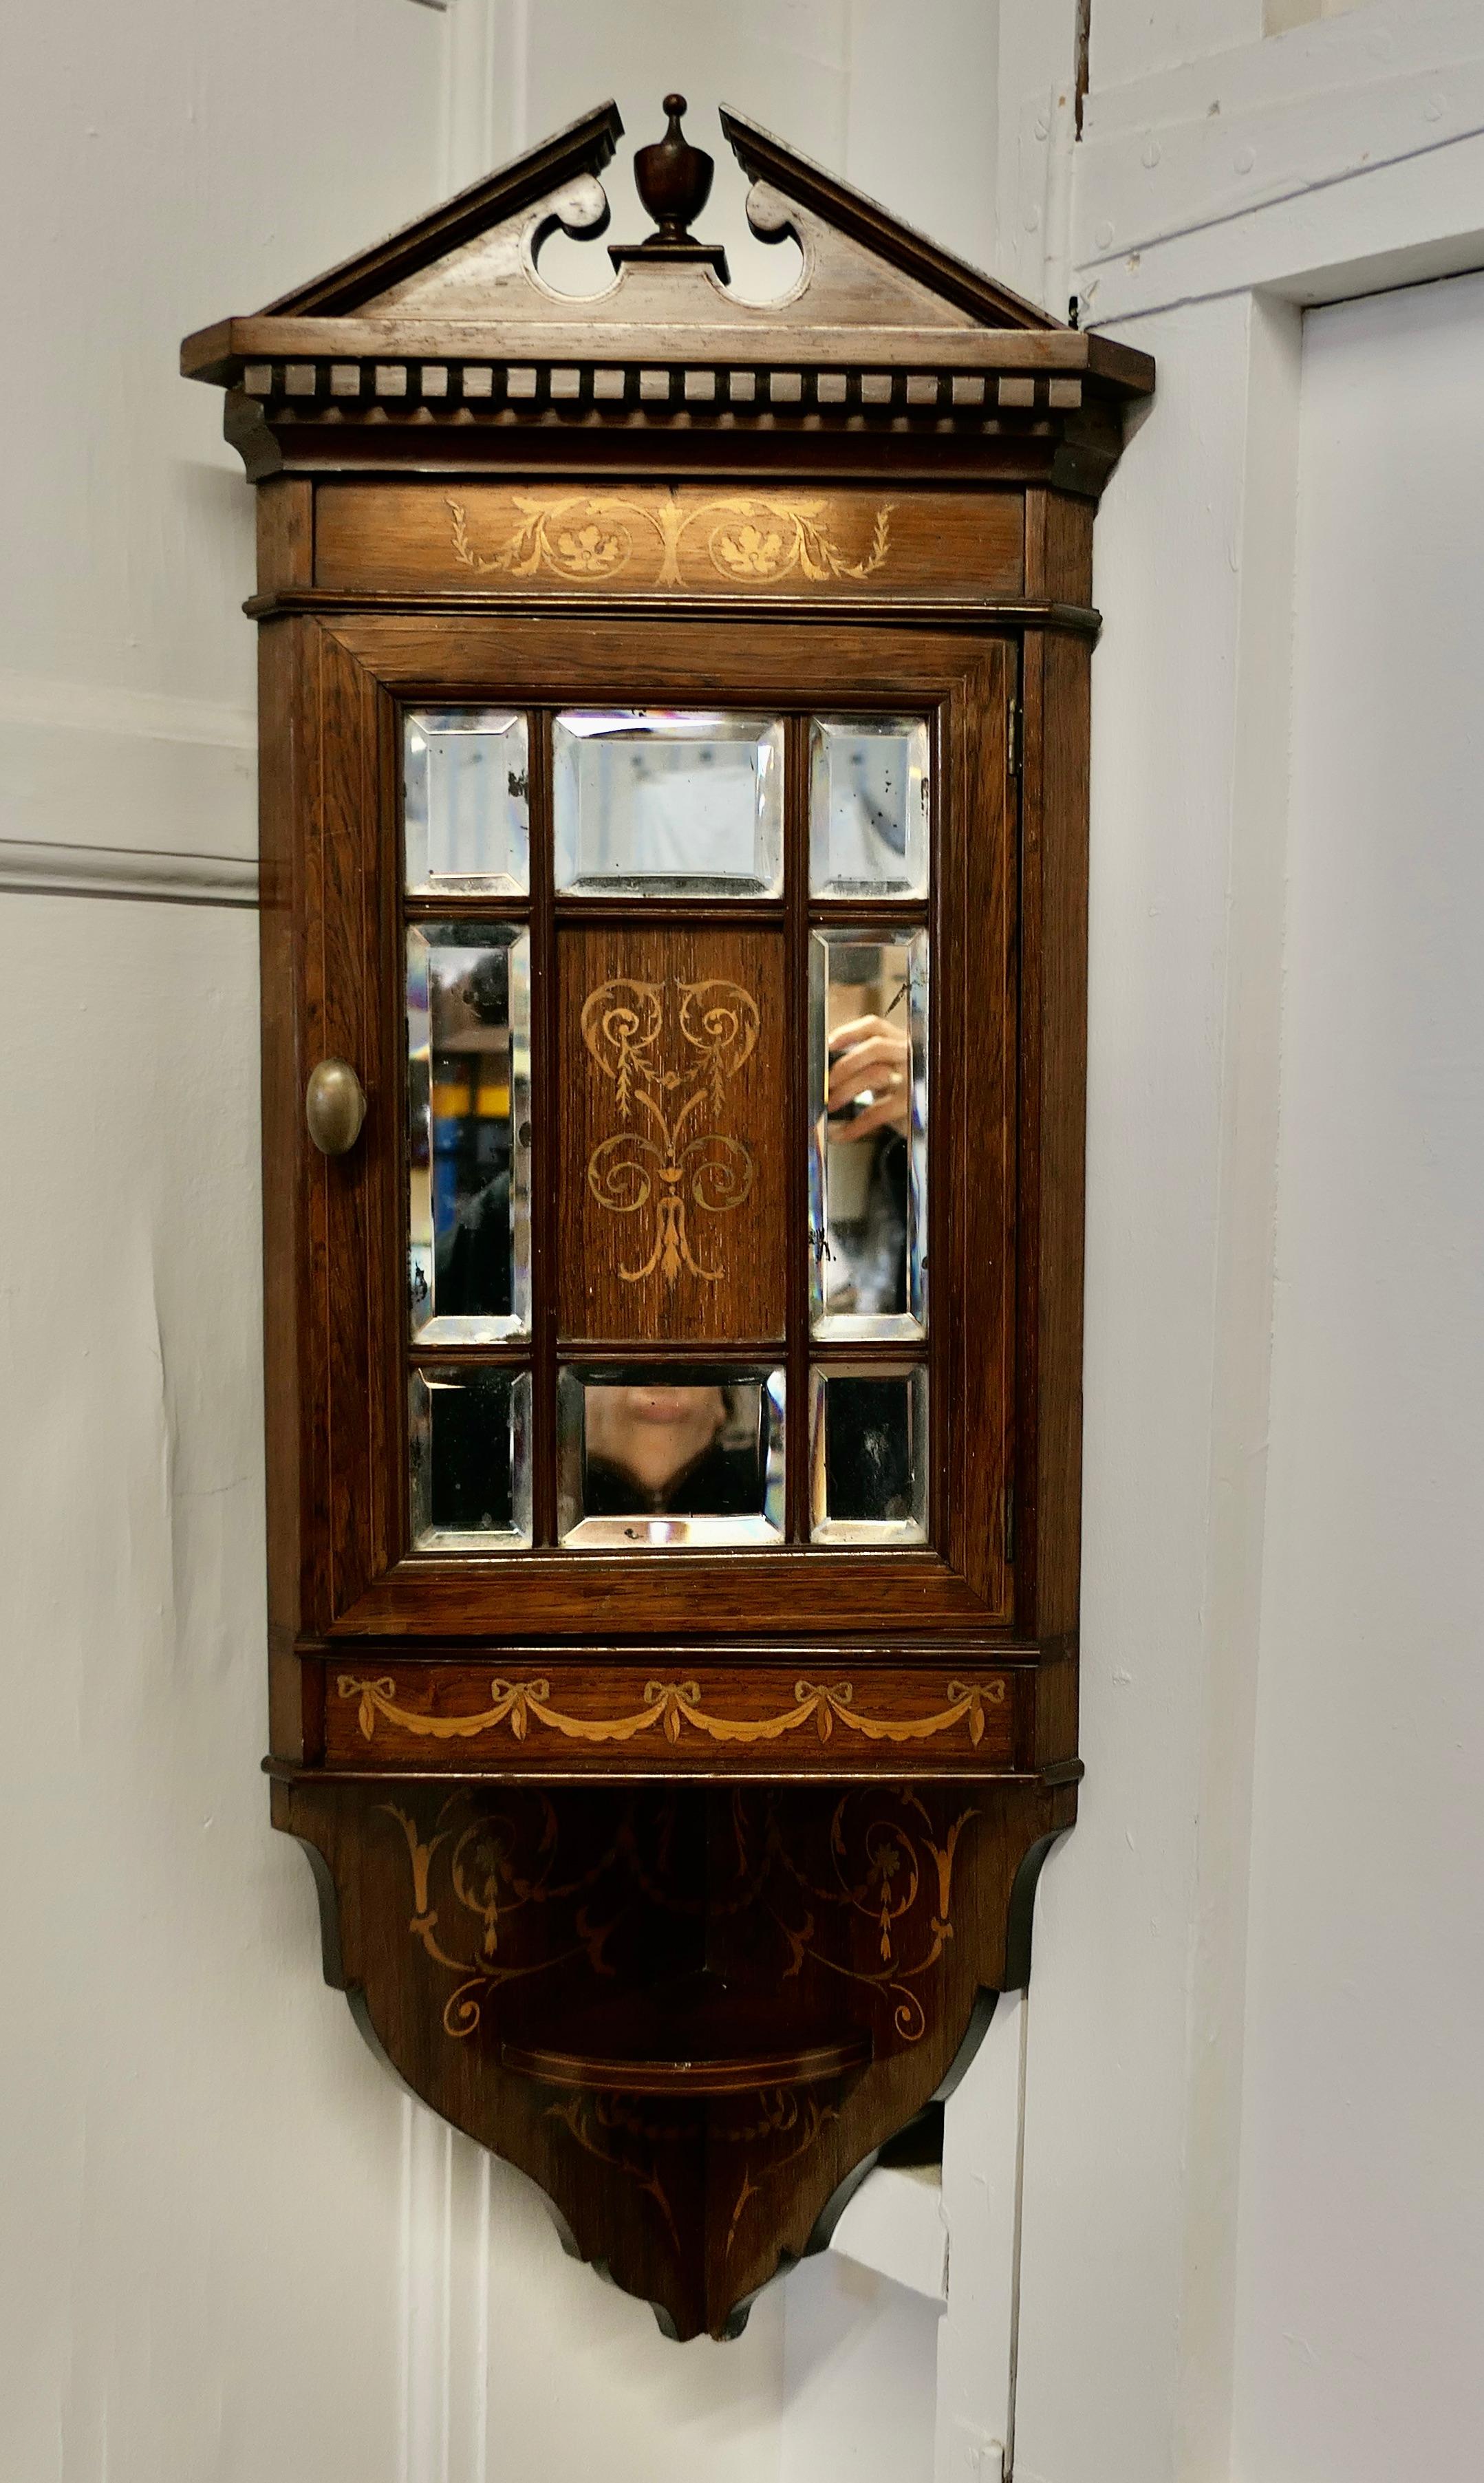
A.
x: 87, y: 706
x: 29, y: 868
x: 103, y: 772
x: 1341, y: 159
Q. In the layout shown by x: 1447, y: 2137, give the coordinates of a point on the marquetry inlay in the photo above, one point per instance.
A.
x: 674, y: 1707
x: 677, y: 1157
x: 588, y: 538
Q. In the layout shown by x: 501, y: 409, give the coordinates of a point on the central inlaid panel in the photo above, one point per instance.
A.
x: 672, y: 1143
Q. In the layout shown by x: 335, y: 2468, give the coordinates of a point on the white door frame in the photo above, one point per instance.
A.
x: 1202, y: 210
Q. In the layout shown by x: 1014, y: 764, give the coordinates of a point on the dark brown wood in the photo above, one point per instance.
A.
x: 671, y: 1173
x: 886, y: 1912
x: 220, y: 354
x: 673, y: 180
x: 794, y: 1096
x: 529, y: 536
x: 285, y: 535
x: 547, y: 1116
x: 692, y: 2036
x: 964, y: 682
x: 907, y: 611
x: 801, y: 1590
x: 676, y: 1877
x: 1053, y: 1134
x: 292, y: 1447
x: 683, y: 1712
x: 1058, y: 547
x: 888, y: 446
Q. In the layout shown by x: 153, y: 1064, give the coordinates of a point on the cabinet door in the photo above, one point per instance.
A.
x: 669, y: 1290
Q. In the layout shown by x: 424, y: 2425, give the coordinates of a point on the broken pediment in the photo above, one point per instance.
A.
x: 477, y: 257
x: 446, y: 343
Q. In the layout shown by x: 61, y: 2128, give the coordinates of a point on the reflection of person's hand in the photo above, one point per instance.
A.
x: 871, y: 1060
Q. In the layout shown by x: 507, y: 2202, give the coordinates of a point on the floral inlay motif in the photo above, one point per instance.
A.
x: 589, y: 536
x: 671, y: 1160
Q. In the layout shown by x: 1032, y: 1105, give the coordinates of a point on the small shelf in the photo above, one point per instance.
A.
x: 690, y: 2036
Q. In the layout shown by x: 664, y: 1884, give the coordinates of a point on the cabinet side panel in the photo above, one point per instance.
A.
x: 1062, y: 1116
x: 1055, y: 1734
x: 282, y: 798
x: 704, y: 1122
x: 286, y: 534
x: 1059, y: 547
x: 357, y: 830
x: 979, y: 1121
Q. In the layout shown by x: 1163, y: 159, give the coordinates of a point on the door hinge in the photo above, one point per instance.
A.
x: 1010, y: 1524
x: 1013, y: 737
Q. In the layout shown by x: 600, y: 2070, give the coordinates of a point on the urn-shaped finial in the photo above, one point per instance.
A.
x: 674, y: 178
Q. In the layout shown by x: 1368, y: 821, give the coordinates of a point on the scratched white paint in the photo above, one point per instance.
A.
x: 1211, y: 2260
x: 1363, y: 2178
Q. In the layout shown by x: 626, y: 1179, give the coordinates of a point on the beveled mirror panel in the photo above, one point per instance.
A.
x: 468, y: 1034
x: 868, y: 1079
x: 470, y: 1472
x: 660, y: 801
x: 466, y: 802
x: 670, y: 1459
x: 868, y: 806
x: 868, y: 1457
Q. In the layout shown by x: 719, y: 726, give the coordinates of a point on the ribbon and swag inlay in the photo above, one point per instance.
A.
x: 673, y: 1156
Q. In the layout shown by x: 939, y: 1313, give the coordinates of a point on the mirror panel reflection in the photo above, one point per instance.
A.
x: 466, y: 817
x: 670, y: 1459
x: 650, y: 801
x: 868, y: 1079
x: 869, y: 1450
x: 868, y: 806
x: 468, y: 1032
x: 470, y: 1462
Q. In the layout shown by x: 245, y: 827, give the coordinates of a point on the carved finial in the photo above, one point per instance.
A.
x: 673, y: 178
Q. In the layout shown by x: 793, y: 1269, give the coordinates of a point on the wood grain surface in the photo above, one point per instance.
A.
x: 531, y: 535
x: 671, y: 1148
x: 473, y: 1923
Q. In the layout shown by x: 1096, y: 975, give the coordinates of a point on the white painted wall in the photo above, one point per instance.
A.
x: 1361, y: 2261
x: 1250, y: 2178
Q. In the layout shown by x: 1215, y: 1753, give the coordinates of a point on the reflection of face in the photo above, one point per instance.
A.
x: 653, y: 1434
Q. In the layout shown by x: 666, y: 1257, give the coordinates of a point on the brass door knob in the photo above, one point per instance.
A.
x: 335, y: 1106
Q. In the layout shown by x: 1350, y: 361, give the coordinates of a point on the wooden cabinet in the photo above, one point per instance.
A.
x: 674, y: 721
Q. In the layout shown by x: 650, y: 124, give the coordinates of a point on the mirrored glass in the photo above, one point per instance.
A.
x: 650, y: 801
x: 868, y: 806
x: 469, y: 1435
x: 467, y: 802
x: 670, y: 1459
x: 869, y: 1081
x: 469, y: 1038
x: 868, y: 1457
